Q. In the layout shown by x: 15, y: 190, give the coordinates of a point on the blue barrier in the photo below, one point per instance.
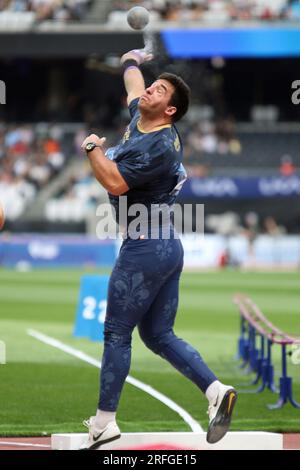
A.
x: 56, y: 251
x: 91, y: 307
x: 250, y: 187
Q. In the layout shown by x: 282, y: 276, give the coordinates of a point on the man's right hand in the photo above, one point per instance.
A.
x: 133, y: 78
x: 137, y: 54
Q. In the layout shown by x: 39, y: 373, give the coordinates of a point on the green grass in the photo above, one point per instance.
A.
x: 44, y: 390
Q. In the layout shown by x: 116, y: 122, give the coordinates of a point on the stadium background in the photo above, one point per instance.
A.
x: 59, y: 61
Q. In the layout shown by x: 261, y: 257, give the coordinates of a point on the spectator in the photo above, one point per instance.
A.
x: 251, y: 232
x: 287, y: 167
x: 272, y: 228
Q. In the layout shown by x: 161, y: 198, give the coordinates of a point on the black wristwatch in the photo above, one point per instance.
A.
x: 90, y: 146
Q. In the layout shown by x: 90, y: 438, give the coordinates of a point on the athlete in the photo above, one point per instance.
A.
x: 146, y: 167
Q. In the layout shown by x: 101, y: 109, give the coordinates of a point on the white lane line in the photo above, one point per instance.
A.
x: 23, y: 444
x: 194, y: 425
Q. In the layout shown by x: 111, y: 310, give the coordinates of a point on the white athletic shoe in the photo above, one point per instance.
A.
x: 220, y: 411
x: 97, y: 436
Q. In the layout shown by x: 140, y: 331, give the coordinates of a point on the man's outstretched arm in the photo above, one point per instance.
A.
x: 133, y: 78
x: 105, y: 170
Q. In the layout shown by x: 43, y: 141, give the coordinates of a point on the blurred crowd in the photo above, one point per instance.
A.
x: 168, y: 10
x: 58, y: 10
x: 248, y: 226
x: 213, y: 10
x: 32, y: 156
x: 210, y: 138
x: 29, y: 158
x: 77, y: 199
x: 80, y: 192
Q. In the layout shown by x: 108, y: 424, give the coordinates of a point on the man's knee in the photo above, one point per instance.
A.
x: 158, y: 342
x: 116, y: 332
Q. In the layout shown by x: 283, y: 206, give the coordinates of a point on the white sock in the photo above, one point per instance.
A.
x: 104, y: 417
x: 213, y: 390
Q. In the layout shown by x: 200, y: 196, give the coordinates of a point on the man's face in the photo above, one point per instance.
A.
x: 155, y: 100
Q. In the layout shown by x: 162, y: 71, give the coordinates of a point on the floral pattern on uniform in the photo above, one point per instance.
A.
x: 163, y: 250
x: 130, y: 290
x: 169, y: 308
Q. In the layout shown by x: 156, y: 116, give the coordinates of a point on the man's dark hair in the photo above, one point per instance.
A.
x: 181, y: 96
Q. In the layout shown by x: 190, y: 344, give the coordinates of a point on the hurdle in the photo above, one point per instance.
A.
x: 252, y: 324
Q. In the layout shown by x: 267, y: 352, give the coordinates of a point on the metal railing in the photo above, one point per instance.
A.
x: 259, y: 359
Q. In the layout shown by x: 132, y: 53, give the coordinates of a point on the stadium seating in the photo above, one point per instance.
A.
x: 15, y: 20
x: 18, y: 14
x: 25, y: 13
x: 210, y: 149
x: 212, y: 10
x: 30, y: 157
x: 245, y: 150
x: 77, y: 200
